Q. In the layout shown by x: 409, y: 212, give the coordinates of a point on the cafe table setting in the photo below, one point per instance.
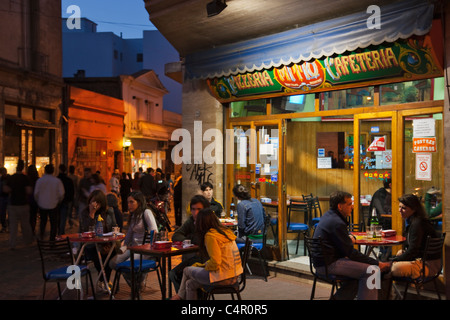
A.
x: 164, y: 250
x: 376, y: 238
x: 91, y: 238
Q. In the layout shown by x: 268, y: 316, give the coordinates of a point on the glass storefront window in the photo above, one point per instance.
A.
x: 248, y: 108
x: 345, y: 99
x: 404, y: 92
x: 423, y: 157
x: 291, y: 104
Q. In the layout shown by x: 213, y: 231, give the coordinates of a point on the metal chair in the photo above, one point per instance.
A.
x: 433, y: 249
x: 296, y: 227
x: 234, y: 289
x: 60, y: 252
x: 145, y: 266
x: 315, y: 212
x: 316, y: 252
x: 258, y: 243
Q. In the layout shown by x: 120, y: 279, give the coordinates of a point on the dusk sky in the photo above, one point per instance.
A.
x: 126, y: 16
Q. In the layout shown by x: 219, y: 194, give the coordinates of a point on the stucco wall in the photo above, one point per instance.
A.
x: 202, y: 109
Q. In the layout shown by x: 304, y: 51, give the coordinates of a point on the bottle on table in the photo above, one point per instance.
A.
x: 232, y: 211
x: 374, y: 223
x: 99, y: 227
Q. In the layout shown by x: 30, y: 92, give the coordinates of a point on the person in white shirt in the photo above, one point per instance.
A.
x: 48, y: 193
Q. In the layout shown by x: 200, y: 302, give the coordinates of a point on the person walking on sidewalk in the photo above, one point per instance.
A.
x: 49, y: 192
x: 3, y: 199
x: 66, y: 203
x: 18, y: 187
x: 33, y: 176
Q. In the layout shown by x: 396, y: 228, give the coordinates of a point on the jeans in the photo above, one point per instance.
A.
x: 53, y: 215
x: 19, y: 214
x: 194, y: 278
x: 353, y: 270
x: 3, y: 206
x: 63, y: 215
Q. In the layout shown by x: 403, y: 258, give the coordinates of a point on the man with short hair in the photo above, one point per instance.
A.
x: 341, y: 257
x: 216, y: 206
x: 187, y: 232
x: 49, y: 193
x: 147, y: 184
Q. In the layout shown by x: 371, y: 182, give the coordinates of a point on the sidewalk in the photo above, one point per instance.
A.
x: 22, y: 279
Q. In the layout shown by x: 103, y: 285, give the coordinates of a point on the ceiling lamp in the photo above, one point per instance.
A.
x: 215, y: 7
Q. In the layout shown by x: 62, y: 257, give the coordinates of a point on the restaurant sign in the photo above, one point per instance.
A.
x: 398, y: 61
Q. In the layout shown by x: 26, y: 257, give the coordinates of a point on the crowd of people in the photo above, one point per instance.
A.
x: 61, y: 198
x: 68, y: 198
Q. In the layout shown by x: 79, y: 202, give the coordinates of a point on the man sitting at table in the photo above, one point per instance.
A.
x: 207, y: 190
x: 251, y: 214
x: 343, y: 258
x: 187, y: 232
x: 381, y: 201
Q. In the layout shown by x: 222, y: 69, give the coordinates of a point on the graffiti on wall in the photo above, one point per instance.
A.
x: 200, y: 172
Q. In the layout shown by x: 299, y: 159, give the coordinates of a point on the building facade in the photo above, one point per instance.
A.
x: 95, y: 132
x: 31, y: 84
x: 310, y: 101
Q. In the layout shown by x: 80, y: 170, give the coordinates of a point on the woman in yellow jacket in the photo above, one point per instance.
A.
x: 224, y: 264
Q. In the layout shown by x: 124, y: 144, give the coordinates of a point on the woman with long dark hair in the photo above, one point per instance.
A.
x: 408, y: 263
x: 224, y: 264
x: 97, y: 208
x: 141, y: 219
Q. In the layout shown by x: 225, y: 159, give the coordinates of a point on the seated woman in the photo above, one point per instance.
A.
x: 89, y: 217
x: 141, y: 219
x: 407, y: 263
x: 224, y: 264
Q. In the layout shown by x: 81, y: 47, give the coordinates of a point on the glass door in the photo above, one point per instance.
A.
x: 254, y: 160
x: 423, y: 155
x: 373, y: 176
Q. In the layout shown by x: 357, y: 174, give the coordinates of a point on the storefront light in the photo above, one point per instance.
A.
x: 126, y: 143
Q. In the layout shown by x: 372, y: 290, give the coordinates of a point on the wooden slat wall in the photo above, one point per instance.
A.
x: 302, y: 175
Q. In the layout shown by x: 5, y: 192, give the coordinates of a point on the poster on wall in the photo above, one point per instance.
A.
x: 424, y: 128
x: 423, y: 166
x: 387, y: 159
x: 324, y: 163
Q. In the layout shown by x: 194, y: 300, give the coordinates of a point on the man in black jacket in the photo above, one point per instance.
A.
x: 69, y: 191
x: 341, y: 257
x: 188, y: 232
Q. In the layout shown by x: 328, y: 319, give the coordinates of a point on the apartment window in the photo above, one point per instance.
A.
x: 139, y: 57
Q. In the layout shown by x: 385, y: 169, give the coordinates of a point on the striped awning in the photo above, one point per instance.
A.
x: 399, y: 20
